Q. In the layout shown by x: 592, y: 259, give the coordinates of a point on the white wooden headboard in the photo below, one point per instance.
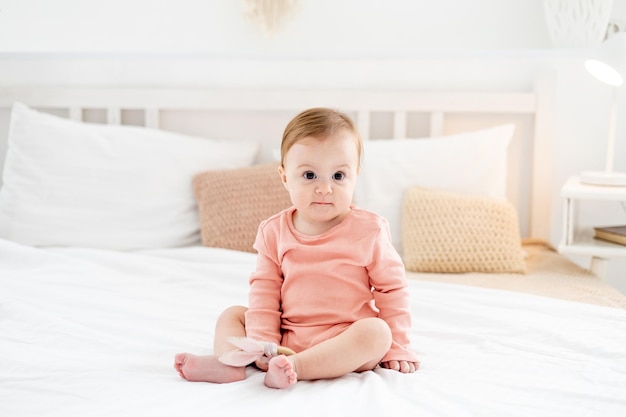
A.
x: 263, y: 113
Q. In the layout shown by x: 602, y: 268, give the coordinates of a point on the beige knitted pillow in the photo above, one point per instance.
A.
x: 448, y: 232
x: 232, y: 203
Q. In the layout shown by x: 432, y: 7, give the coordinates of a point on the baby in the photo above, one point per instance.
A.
x: 328, y: 283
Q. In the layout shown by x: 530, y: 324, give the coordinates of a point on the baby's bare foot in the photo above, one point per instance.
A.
x: 281, y: 373
x: 206, y: 368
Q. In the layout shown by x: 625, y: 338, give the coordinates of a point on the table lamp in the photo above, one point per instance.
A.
x: 608, y: 65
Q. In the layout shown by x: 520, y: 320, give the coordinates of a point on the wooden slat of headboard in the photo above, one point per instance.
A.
x: 76, y: 113
x: 399, y: 124
x: 114, y: 115
x: 363, y: 123
x: 436, y: 123
x: 152, y: 118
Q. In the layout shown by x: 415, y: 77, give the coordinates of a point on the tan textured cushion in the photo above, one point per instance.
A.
x: 232, y: 203
x: 448, y: 232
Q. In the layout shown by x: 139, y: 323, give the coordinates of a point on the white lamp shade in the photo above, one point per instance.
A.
x: 604, y: 72
x: 608, y: 63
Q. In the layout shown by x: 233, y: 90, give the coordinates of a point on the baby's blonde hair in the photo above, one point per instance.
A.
x: 321, y: 123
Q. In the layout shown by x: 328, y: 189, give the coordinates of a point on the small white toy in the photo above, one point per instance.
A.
x: 251, y: 350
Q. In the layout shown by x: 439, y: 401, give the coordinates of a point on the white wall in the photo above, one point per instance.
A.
x: 455, y: 44
x: 319, y: 28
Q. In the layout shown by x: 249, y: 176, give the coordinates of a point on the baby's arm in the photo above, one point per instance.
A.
x: 264, y: 313
x: 394, y: 308
x: 391, y: 297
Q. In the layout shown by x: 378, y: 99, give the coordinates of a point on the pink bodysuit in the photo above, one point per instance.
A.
x: 307, y: 289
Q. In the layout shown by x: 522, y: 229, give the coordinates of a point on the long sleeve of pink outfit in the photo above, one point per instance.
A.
x: 306, y: 287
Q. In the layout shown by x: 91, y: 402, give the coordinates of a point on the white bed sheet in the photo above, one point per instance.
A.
x: 94, y: 333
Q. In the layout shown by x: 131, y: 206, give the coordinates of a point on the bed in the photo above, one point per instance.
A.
x: 126, y: 219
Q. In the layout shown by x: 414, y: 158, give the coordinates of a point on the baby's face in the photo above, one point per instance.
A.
x: 320, y: 175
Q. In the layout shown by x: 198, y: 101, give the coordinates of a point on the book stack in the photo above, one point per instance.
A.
x: 615, y: 234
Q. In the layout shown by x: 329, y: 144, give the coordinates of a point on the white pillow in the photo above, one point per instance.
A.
x: 471, y: 163
x: 69, y: 183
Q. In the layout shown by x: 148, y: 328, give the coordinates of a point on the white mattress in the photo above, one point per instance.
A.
x: 94, y: 333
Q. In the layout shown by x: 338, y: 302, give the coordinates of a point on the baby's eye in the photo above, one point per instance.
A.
x: 310, y: 175
x: 338, y: 176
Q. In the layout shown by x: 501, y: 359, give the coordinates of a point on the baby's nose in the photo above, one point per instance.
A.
x: 324, y: 187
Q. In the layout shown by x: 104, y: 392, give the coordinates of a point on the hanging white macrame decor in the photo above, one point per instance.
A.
x: 577, y: 23
x: 269, y: 14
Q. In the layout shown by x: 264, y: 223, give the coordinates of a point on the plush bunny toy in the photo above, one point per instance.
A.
x: 251, y: 350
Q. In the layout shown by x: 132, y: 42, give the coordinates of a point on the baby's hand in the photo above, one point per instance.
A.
x: 405, y: 367
x: 262, y: 363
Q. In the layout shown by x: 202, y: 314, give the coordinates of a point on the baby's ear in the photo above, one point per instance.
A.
x: 283, y: 176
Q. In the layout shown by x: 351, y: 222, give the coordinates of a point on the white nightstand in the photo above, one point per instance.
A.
x: 578, y: 240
